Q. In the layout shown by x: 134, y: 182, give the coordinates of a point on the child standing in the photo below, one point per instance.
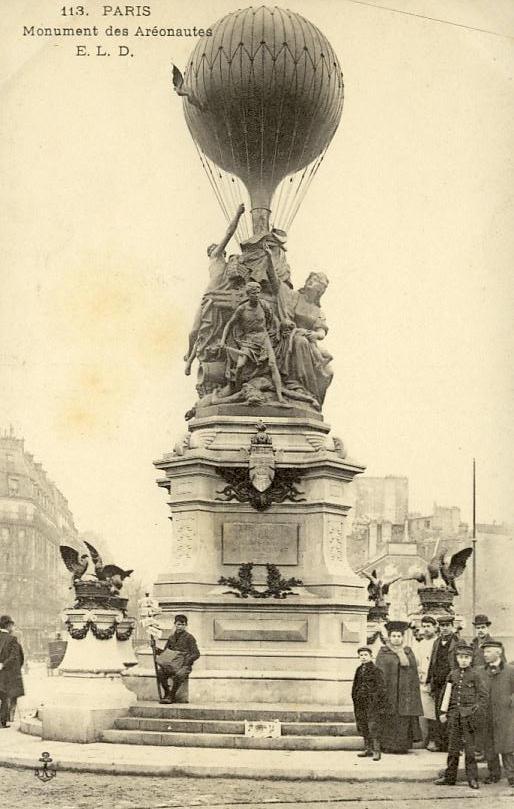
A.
x: 369, y: 699
x: 464, y: 705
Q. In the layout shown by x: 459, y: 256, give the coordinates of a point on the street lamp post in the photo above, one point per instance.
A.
x: 474, y: 541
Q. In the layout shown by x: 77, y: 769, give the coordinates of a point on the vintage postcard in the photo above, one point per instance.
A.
x: 256, y: 412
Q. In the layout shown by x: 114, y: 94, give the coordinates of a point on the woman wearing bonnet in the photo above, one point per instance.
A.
x: 397, y: 662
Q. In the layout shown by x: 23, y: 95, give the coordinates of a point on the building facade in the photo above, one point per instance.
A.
x: 384, y: 536
x: 34, y: 520
x: 494, y: 577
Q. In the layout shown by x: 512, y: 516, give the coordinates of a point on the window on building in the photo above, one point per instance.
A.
x: 21, y: 533
x: 22, y: 512
x: 4, y: 533
x: 10, y: 458
x: 13, y: 486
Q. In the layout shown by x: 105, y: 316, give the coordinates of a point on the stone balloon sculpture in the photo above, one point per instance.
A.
x: 262, y: 99
x: 260, y: 555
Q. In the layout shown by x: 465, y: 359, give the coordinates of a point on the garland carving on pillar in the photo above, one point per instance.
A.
x: 276, y: 586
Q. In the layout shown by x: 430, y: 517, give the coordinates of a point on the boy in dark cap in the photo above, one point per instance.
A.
x: 183, y: 642
x: 499, y: 730
x: 369, y: 700
x: 464, y: 706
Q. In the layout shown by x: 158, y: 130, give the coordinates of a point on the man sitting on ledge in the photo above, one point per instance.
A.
x: 184, y: 644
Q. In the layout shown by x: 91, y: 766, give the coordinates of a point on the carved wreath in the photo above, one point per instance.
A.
x: 243, y: 587
x: 240, y: 488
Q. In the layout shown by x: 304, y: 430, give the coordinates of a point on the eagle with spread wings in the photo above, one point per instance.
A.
x: 378, y: 589
x: 77, y: 565
x: 447, y: 568
x: 109, y: 573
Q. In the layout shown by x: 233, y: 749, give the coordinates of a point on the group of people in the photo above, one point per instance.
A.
x: 11, y: 664
x: 448, y: 693
x: 451, y: 694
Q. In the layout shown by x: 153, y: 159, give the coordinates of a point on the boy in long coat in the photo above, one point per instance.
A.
x: 499, y: 731
x: 369, y: 700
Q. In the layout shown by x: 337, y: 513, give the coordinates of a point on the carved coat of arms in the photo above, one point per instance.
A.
x: 261, y: 464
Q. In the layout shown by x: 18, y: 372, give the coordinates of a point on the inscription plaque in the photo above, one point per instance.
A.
x: 276, y: 543
x: 273, y: 629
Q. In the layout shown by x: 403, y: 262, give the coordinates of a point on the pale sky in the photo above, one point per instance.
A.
x: 106, y: 215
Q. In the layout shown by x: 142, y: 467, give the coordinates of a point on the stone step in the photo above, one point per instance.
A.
x: 238, y: 713
x: 231, y: 727
x: 227, y: 740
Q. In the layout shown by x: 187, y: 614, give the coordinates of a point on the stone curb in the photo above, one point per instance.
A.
x: 22, y: 751
x: 213, y: 771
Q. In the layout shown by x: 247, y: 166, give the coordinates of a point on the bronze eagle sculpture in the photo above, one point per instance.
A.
x: 109, y: 573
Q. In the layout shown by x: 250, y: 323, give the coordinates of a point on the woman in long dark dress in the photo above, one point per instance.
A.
x: 400, y: 725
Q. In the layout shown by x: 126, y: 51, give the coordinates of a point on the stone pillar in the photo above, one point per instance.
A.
x: 300, y: 648
x: 89, y: 694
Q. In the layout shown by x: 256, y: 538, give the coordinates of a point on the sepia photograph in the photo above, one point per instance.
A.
x: 256, y: 409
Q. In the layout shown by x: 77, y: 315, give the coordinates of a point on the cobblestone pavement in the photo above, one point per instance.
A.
x: 88, y: 791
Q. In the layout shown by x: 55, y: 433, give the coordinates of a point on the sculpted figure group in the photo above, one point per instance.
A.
x: 255, y: 338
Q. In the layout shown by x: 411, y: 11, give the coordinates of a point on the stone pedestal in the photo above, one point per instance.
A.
x: 375, y: 630
x: 89, y: 694
x: 301, y: 648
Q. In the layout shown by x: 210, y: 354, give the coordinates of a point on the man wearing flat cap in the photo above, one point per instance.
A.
x: 184, y: 645
x: 442, y: 661
x: 499, y: 729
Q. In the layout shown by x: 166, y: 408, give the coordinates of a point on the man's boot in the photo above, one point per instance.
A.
x: 367, y: 749
x: 376, y: 750
x: 449, y: 777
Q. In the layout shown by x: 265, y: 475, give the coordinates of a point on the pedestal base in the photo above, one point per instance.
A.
x: 83, y: 707
x: 271, y: 641
x: 276, y: 687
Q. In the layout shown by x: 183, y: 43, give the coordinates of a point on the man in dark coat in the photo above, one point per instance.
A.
x: 11, y: 661
x: 369, y: 702
x: 499, y: 730
x: 481, y: 624
x: 183, y: 642
x: 464, y: 705
x: 442, y: 661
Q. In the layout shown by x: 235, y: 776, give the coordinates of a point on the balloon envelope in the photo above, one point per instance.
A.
x: 267, y: 96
